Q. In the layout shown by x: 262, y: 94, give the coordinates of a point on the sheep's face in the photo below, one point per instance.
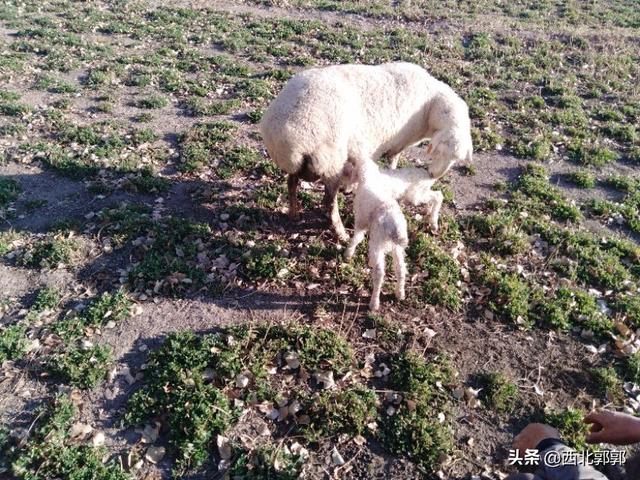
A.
x: 446, y: 148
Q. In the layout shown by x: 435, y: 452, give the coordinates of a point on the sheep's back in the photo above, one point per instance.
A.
x: 346, y: 111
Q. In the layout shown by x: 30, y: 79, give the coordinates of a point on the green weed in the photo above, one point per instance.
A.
x: 13, y: 342
x: 414, y: 430
x: 50, y: 453
x: 499, y: 392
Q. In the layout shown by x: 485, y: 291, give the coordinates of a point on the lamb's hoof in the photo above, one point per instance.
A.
x: 348, y: 255
x: 400, y: 295
x: 374, y: 305
x: 434, y: 230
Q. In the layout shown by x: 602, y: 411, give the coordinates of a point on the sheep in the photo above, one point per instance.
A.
x: 407, y: 185
x: 376, y: 211
x: 413, y: 186
x: 324, y: 117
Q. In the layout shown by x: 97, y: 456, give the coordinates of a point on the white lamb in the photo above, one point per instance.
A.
x: 376, y: 211
x: 326, y: 116
x: 413, y: 186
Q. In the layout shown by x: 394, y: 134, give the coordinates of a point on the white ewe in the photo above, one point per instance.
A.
x: 326, y: 116
x: 376, y: 211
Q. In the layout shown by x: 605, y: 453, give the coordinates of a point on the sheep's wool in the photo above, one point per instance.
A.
x: 360, y: 112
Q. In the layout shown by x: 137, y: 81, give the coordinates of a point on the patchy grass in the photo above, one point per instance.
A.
x: 348, y: 411
x: 50, y: 252
x: 571, y: 426
x: 242, y: 360
x: 83, y: 366
x: 510, y: 295
x: 203, y: 143
x: 608, y: 383
x: 152, y: 102
x: 51, y: 453
x: 261, y: 464
x: 440, y: 271
x: 414, y: 430
x: 9, y: 191
x: 77, y: 360
x: 499, y: 393
x: 47, y: 299
x: 582, y: 178
x: 13, y: 342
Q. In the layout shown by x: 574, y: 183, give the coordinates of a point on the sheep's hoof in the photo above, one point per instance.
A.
x: 348, y: 255
x: 400, y: 295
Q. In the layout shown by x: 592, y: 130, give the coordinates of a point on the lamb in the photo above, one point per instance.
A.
x: 413, y: 186
x: 376, y: 211
x: 327, y: 116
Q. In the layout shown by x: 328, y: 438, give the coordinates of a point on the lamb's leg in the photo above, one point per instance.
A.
x: 330, y: 201
x: 400, y: 269
x: 294, y: 206
x: 376, y: 262
x: 434, y: 205
x: 393, y: 161
x: 358, y: 236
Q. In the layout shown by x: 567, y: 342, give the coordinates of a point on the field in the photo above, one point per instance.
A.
x: 161, y: 317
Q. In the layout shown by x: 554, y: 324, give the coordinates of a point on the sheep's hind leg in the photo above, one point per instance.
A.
x: 400, y: 269
x: 330, y: 201
x: 294, y: 206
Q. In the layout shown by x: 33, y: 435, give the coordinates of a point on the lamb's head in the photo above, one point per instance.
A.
x: 349, y: 177
x: 447, y: 147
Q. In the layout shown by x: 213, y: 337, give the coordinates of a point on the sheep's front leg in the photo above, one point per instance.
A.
x: 331, y: 204
x: 358, y: 236
x: 294, y: 206
x: 377, y: 277
x: 400, y: 269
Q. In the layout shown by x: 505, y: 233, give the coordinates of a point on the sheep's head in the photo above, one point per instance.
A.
x: 446, y: 148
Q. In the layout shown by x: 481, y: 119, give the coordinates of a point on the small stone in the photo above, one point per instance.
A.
x: 98, y: 439
x: 369, y: 334
x: 154, y: 454
x: 224, y: 447
x: 242, y: 380
x: 336, y: 458
x: 79, y: 430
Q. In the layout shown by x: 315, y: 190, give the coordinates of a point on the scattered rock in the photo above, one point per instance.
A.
x: 154, y: 454
x: 336, y: 458
x: 98, y: 439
